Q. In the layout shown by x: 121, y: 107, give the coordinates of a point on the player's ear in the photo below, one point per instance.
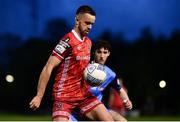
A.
x: 77, y: 18
x: 109, y: 53
x: 76, y: 21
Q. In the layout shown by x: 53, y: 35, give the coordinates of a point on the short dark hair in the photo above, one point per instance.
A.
x: 101, y: 44
x: 85, y: 9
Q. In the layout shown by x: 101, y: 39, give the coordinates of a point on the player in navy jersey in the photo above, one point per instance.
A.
x: 100, y: 52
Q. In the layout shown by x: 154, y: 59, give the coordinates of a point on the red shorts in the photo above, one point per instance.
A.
x: 65, y: 107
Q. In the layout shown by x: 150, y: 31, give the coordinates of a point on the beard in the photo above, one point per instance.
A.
x: 83, y: 32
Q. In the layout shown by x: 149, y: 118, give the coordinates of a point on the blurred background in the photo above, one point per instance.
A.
x: 144, y: 34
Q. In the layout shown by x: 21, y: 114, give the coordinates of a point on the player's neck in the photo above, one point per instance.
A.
x: 97, y: 62
x: 78, y: 33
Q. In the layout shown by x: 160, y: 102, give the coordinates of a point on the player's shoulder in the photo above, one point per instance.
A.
x: 109, y: 71
x: 69, y: 34
x: 87, y: 38
x: 67, y: 38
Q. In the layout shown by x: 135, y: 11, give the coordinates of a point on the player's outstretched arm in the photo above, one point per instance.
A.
x: 43, y: 80
x: 126, y: 101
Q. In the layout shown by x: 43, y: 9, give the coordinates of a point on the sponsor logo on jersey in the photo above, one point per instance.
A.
x: 82, y: 57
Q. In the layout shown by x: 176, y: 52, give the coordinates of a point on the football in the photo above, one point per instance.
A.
x: 94, y: 74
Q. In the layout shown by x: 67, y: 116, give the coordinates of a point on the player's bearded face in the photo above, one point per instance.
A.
x: 101, y: 55
x: 86, y: 23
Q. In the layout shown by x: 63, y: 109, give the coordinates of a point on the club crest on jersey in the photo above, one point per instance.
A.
x: 62, y: 46
x: 58, y: 106
x: 79, y: 48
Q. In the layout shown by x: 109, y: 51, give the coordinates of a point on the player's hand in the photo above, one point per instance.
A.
x: 35, y: 103
x: 128, y: 104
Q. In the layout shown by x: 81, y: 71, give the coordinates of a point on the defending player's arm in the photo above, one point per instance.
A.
x: 43, y: 80
x: 123, y: 94
x: 126, y: 101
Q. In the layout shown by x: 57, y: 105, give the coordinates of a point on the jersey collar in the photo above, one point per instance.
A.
x: 77, y: 36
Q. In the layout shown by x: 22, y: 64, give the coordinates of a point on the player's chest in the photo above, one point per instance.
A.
x: 81, y: 51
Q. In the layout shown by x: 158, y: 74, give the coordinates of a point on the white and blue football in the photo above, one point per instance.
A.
x: 94, y: 74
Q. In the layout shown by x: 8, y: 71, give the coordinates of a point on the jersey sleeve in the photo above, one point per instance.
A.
x: 62, y: 49
x: 115, y: 84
